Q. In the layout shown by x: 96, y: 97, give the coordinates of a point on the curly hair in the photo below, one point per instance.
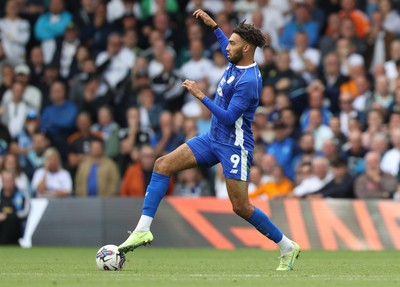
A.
x: 251, y: 34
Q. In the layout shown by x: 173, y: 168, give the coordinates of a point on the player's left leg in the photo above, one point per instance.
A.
x: 236, y: 163
x: 238, y: 195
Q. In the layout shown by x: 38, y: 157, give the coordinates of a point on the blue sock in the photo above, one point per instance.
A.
x: 263, y: 224
x: 155, y: 192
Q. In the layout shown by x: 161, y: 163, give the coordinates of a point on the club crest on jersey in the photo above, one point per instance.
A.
x: 230, y: 80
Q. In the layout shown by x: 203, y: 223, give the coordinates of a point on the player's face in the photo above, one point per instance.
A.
x: 235, y: 49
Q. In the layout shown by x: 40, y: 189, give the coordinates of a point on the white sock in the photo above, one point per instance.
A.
x: 144, y: 223
x: 285, y: 245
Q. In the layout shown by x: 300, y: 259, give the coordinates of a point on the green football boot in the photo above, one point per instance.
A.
x: 136, y: 239
x: 287, y: 260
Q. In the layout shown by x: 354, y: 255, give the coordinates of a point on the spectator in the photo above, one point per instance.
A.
x: 97, y: 175
x: 53, y: 23
x: 303, y: 59
x: 375, y: 124
x: 282, y: 147
x: 15, y: 33
x: 374, y: 183
x: 52, y: 180
x: 390, y: 16
x: 109, y: 131
x: 61, y: 52
x: 10, y: 163
x: 102, y: 29
x: 360, y: 20
x: 14, y: 207
x: 115, y: 62
x: 84, y: 19
x: 6, y: 76
x: 5, y: 140
x: 306, y: 151
x: 280, y: 187
x: 267, y: 164
x: 330, y: 150
x: 56, y: 127
x: 347, y: 31
x: 23, y: 143
x: 15, y: 111
x: 332, y: 34
x: 301, y: 20
x: 315, y: 93
x: 79, y: 142
x: 190, y: 183
x: 132, y: 138
x: 198, y: 66
x: 338, y: 137
x: 364, y: 97
x: 150, y: 110
x: 320, y: 131
x: 32, y: 95
x: 346, y: 112
x: 36, y: 66
x: 138, y: 175
x: 391, y: 159
x: 36, y: 155
x: 392, y: 63
x: 95, y: 96
x: 166, y: 140
x: 168, y: 84
x: 341, y: 185
x: 378, y: 42
x: 332, y: 79
x: 320, y: 177
x: 383, y: 98
x: 288, y: 117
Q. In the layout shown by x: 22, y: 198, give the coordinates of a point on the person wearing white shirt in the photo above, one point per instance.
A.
x: 15, y: 111
x: 32, y: 95
x: 320, y: 131
x: 14, y: 33
x: 390, y: 66
x: 52, y: 180
x: 321, y: 175
x: 303, y: 59
x: 391, y: 159
x: 116, y: 61
x: 198, y: 66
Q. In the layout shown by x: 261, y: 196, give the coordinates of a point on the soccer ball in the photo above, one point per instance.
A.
x: 109, y: 258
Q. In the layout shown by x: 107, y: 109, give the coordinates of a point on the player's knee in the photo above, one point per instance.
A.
x: 243, y: 210
x: 162, y: 166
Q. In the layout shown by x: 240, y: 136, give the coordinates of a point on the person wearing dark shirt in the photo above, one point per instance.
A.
x: 79, y: 142
x: 341, y: 185
x: 14, y: 206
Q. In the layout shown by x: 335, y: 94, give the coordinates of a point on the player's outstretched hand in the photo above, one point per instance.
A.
x: 192, y: 87
x: 205, y: 17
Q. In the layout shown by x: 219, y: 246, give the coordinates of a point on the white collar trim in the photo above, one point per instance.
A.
x: 246, y: 67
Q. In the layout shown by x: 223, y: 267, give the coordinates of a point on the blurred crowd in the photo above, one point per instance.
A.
x: 91, y: 95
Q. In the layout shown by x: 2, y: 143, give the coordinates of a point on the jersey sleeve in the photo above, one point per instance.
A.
x: 244, y: 94
x: 223, y: 41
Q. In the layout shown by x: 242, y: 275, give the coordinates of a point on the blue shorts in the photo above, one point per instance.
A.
x: 235, y: 160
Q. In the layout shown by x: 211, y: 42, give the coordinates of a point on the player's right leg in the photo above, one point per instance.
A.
x: 195, y: 152
x: 165, y: 166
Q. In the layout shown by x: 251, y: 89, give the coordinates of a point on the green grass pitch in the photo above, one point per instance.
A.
x: 151, y: 266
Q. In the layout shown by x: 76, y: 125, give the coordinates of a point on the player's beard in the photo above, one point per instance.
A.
x: 236, y: 58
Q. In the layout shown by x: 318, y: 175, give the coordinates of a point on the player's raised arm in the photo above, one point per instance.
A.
x: 227, y: 117
x: 221, y: 37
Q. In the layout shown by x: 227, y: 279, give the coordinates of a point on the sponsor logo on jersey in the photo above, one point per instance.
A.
x: 230, y: 80
x: 233, y: 171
